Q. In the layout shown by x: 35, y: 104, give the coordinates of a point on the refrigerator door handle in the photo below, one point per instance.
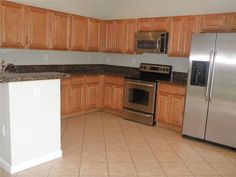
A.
x: 212, y: 75
x: 209, y: 76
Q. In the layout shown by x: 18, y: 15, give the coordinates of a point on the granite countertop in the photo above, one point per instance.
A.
x: 14, y: 77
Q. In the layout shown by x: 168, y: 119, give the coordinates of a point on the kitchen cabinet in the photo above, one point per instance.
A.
x: 161, y: 24
x: 170, y: 104
x: 93, y: 35
x: 180, y: 35
x: 120, y: 36
x: 60, y: 31
x: 79, y: 28
x: 39, y: 28
x: 80, y: 94
x: 213, y: 22
x: 145, y: 24
x: 65, y: 96
x: 131, y: 29
x: 113, y: 93
x: 92, y: 92
x: 111, y: 30
x: 13, y: 32
x: 231, y: 21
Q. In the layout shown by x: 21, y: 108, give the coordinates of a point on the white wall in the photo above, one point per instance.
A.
x: 111, y: 9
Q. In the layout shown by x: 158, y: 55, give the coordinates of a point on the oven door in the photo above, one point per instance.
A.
x: 140, y: 95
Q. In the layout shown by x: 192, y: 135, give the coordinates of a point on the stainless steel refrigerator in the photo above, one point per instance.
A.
x: 210, y: 107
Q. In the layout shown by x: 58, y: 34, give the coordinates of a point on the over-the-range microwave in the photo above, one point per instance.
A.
x: 151, y: 42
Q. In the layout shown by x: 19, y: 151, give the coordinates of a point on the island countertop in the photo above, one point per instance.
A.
x: 16, y: 77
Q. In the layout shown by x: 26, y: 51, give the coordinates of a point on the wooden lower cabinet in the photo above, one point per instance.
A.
x: 80, y: 94
x: 170, y: 104
x: 113, y: 93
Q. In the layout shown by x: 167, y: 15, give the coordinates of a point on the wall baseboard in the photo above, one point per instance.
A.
x: 30, y: 163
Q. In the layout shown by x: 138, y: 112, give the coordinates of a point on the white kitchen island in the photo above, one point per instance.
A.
x: 29, y: 123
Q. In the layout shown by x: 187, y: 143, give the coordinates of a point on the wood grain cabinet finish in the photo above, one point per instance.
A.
x: 39, y: 28
x: 181, y: 35
x: 111, y: 30
x: 79, y: 29
x: 61, y: 31
x: 13, y: 30
x: 93, y: 35
x: 131, y: 29
x: 113, y: 93
x: 213, y: 22
x: 120, y: 36
x: 231, y: 21
x: 65, y: 96
x: 170, y: 104
x: 145, y: 24
x: 161, y: 24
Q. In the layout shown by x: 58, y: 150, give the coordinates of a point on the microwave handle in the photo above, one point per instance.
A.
x: 158, y: 45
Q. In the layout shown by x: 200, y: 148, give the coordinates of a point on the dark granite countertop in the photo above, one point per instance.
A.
x: 26, y: 71
x: 14, y: 77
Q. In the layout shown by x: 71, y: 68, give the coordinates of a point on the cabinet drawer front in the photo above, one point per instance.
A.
x: 171, y: 88
x: 77, y: 80
x: 119, y: 80
x: 91, y: 79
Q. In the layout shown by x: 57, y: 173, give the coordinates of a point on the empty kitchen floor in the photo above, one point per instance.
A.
x: 101, y: 145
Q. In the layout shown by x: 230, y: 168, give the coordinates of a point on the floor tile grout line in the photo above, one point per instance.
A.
x: 105, y: 143
x: 122, y: 131
x: 153, y: 153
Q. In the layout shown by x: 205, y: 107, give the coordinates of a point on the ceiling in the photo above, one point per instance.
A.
x: 114, y: 9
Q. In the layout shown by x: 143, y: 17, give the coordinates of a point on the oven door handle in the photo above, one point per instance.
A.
x: 138, y: 83
x: 138, y: 113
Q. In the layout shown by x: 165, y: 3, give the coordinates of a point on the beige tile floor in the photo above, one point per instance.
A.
x: 103, y: 145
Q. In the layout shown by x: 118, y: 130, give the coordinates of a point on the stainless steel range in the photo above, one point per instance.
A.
x: 140, y: 93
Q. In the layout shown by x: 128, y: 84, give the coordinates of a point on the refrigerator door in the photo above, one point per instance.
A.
x: 196, y: 103
x: 221, y: 123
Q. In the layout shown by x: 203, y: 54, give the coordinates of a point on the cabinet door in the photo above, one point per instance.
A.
x: 13, y: 25
x: 176, y: 110
x: 61, y: 31
x: 65, y: 96
x: 120, y: 36
x: 92, y: 92
x: 118, y: 97
x: 161, y: 24
x: 77, y: 95
x: 176, y: 36
x: 163, y: 105
x: 108, y: 96
x: 93, y: 34
x: 145, y: 24
x: 102, y: 36
x: 191, y: 25
x: 39, y: 28
x: 231, y: 21
x: 110, y: 35
x: 131, y: 29
x: 213, y: 22
x: 78, y: 32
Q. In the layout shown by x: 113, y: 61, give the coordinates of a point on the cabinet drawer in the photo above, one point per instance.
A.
x: 91, y: 79
x: 171, y: 88
x: 77, y: 80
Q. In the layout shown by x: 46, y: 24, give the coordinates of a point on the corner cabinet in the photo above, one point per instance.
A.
x: 170, y: 104
x: 13, y: 32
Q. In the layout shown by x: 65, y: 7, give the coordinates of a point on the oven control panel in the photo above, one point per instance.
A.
x: 162, y: 69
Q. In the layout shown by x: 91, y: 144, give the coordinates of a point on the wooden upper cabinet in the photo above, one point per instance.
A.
x: 39, y: 28
x: 79, y: 27
x: 93, y: 35
x: 145, y: 24
x: 213, y: 22
x: 120, y: 36
x: 161, y: 24
x: 131, y: 29
x: 191, y: 25
x: 231, y: 21
x: 61, y: 31
x: 176, y: 36
x: 13, y: 25
x: 102, y: 36
x: 111, y: 30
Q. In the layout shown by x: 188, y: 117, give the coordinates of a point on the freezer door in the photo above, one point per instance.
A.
x: 221, y: 123
x: 196, y: 104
